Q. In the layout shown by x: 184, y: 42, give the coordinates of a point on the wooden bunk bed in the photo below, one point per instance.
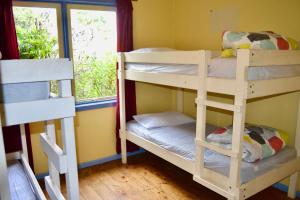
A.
x: 20, y: 110
x: 241, y: 88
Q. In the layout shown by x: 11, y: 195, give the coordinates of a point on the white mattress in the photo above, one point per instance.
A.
x: 19, y: 185
x: 180, y: 140
x: 221, y: 68
x: 20, y: 92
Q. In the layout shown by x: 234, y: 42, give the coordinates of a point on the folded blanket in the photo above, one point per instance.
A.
x: 259, y: 142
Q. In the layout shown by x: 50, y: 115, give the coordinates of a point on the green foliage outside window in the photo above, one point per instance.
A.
x: 94, y: 78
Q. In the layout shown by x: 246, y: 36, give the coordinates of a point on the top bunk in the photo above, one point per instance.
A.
x: 261, y: 72
x: 25, y: 90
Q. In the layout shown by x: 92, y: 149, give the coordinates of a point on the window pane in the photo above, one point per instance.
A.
x: 94, y: 53
x: 37, y: 34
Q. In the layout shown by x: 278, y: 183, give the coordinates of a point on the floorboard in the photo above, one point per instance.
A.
x: 148, y: 177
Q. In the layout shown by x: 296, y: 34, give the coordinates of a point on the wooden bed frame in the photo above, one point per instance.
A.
x: 242, y: 89
x: 61, y: 161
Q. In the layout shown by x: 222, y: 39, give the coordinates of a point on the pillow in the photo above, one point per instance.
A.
x: 259, y: 142
x: 149, y: 50
x: 156, y: 120
x: 259, y: 40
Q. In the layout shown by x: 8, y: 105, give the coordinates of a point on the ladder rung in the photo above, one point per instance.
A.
x: 214, y: 104
x: 219, y: 105
x: 54, y: 153
x: 53, y: 191
x: 226, y: 152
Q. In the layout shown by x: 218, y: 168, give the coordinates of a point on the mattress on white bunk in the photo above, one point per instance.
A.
x: 180, y: 140
x: 221, y: 68
x: 19, y: 184
x: 20, y: 92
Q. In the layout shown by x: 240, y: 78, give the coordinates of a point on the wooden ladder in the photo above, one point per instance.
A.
x: 61, y: 161
x: 226, y: 186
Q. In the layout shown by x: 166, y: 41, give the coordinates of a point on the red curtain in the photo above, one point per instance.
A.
x: 8, y: 38
x: 9, y: 49
x: 125, y: 44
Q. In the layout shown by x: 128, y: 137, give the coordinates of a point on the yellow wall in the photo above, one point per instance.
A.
x: 198, y: 25
x: 95, y: 129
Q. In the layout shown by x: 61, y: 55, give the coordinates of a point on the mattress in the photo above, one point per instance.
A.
x: 19, y: 184
x: 180, y: 140
x: 20, y: 92
x: 220, y: 68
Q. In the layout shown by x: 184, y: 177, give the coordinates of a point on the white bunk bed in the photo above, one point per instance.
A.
x: 143, y: 67
x: 17, y: 179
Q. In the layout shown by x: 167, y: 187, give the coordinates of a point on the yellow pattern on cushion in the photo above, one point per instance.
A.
x: 283, y: 135
x: 247, y: 139
x: 293, y: 43
x: 227, y: 53
x: 244, y: 46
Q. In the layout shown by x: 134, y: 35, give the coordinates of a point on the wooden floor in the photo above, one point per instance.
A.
x: 147, y: 177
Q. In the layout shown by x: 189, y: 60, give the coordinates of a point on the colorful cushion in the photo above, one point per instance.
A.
x: 259, y: 40
x: 259, y: 142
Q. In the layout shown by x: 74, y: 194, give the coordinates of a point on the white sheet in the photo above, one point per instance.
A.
x: 219, y: 67
x: 19, y: 185
x: 180, y: 140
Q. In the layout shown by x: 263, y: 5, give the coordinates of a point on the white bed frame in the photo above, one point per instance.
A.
x: 61, y: 161
x: 242, y: 89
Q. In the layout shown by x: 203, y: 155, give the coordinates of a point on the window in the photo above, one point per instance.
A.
x: 84, y: 33
x: 93, y: 50
x: 37, y: 31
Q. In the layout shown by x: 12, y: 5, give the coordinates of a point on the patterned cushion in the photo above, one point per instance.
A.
x: 259, y: 142
x: 259, y: 40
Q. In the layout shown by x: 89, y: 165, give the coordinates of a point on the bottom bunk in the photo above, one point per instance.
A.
x: 23, y: 184
x: 19, y: 183
x: 176, y: 144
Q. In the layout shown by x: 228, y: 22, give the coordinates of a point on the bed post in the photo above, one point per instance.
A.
x: 201, y: 109
x: 68, y: 139
x: 122, y: 132
x: 243, y: 62
x: 294, y: 178
x: 180, y: 100
x: 4, y: 184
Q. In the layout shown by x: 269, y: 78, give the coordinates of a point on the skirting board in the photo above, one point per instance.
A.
x: 284, y: 188
x: 279, y: 186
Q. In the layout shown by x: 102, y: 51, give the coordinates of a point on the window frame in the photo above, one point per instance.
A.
x: 85, y: 7
x: 63, y: 8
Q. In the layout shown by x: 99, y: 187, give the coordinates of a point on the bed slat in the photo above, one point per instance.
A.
x: 170, y: 57
x: 274, y: 57
x: 271, y: 87
x: 273, y: 176
x: 21, y: 71
x: 33, y: 111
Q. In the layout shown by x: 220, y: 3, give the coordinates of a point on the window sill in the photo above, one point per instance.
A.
x: 91, y: 105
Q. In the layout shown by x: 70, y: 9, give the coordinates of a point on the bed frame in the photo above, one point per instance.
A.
x: 60, y: 161
x: 242, y: 89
